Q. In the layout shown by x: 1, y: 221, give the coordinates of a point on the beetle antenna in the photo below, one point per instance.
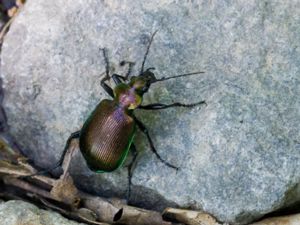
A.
x: 176, y: 76
x: 147, y: 51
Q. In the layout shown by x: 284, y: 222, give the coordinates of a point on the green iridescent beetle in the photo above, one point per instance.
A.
x: 107, y: 135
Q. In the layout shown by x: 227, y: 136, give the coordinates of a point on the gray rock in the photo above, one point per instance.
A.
x: 239, y: 157
x: 19, y: 212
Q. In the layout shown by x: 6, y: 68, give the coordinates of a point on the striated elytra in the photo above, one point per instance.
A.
x: 106, y: 136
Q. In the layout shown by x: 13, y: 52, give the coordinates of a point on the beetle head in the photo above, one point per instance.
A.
x: 142, y: 83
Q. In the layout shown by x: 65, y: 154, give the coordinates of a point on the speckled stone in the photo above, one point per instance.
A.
x: 239, y: 156
x: 19, y: 212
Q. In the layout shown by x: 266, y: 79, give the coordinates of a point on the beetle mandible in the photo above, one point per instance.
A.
x: 107, y: 135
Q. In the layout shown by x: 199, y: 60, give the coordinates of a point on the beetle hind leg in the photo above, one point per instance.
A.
x: 145, y: 131
x: 74, y: 135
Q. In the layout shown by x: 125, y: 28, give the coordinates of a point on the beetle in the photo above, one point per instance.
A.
x: 107, y: 135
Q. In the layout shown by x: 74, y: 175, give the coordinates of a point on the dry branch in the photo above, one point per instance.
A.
x: 189, y: 217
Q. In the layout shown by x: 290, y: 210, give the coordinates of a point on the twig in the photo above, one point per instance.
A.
x: 189, y: 217
x: 28, y: 187
x: 7, y: 25
x: 76, y: 215
x: 128, y: 214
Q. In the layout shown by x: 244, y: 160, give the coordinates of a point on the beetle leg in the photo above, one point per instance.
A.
x: 158, y: 106
x: 130, y: 65
x: 59, y: 163
x: 106, y: 63
x: 145, y: 131
x: 118, y: 79
x: 130, y: 169
x: 105, y: 86
x: 74, y: 135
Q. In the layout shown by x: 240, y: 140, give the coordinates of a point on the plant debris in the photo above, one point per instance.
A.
x: 63, y: 196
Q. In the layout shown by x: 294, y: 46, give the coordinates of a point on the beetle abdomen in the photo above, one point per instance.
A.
x: 106, y: 137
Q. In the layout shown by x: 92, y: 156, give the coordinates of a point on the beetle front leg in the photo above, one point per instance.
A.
x: 158, y: 106
x: 118, y: 79
x: 105, y: 86
x: 130, y: 66
x: 145, y: 131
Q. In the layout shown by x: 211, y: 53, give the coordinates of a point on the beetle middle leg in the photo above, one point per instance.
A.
x: 145, y: 131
